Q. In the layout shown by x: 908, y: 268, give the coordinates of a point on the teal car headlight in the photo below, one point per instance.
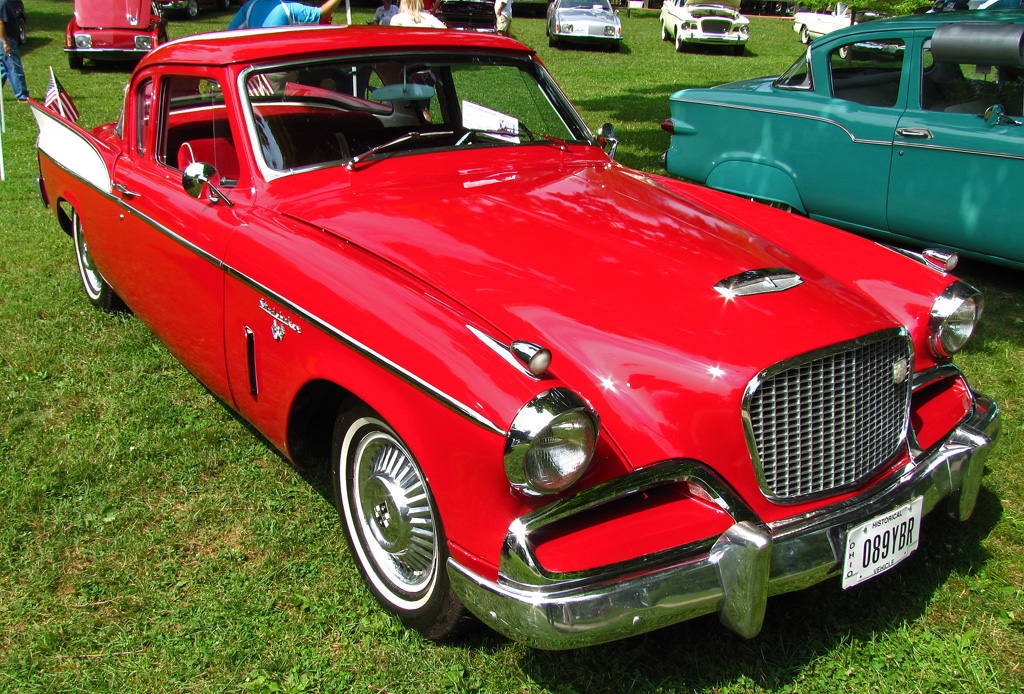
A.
x: 955, y: 314
x: 550, y: 443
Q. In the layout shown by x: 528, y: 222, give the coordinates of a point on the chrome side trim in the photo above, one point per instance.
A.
x: 350, y: 342
x: 958, y: 150
x: 778, y: 112
x: 502, y: 350
x: 728, y: 575
x: 412, y: 379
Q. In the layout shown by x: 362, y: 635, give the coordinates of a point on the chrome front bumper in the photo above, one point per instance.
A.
x: 734, y: 575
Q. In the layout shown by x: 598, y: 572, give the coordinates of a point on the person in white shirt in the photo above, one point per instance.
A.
x: 411, y: 14
x: 384, y: 13
x: 503, y: 16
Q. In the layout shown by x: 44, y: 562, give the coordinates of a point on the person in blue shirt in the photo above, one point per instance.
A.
x: 9, y: 57
x: 257, y: 14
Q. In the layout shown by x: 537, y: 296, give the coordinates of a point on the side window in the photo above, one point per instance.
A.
x: 868, y: 72
x: 194, y: 127
x: 144, y: 116
x: 969, y: 88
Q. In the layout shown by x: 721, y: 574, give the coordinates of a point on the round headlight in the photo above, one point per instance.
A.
x: 550, y: 442
x: 954, y: 316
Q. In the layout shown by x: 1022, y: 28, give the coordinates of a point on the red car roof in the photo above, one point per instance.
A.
x: 259, y: 45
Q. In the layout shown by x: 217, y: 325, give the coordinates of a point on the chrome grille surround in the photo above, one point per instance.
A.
x: 716, y: 26
x: 827, y: 420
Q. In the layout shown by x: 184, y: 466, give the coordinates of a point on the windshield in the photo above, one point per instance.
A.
x: 586, y: 5
x: 330, y: 113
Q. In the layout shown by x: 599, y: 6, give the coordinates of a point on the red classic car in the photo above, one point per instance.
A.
x: 113, y: 30
x: 578, y: 400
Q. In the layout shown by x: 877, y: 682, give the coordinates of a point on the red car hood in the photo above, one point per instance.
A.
x: 611, y: 272
x: 112, y: 14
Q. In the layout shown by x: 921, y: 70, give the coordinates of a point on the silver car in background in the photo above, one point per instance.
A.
x: 584, y: 22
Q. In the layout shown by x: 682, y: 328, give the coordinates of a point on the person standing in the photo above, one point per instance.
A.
x: 503, y: 16
x: 257, y: 14
x: 11, y: 59
x: 384, y: 13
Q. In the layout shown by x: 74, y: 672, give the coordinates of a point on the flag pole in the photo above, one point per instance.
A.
x: 3, y: 175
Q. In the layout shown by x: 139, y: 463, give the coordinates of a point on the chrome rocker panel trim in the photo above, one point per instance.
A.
x: 735, y: 576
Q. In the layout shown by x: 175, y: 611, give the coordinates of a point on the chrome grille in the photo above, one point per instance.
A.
x: 716, y: 26
x: 828, y: 420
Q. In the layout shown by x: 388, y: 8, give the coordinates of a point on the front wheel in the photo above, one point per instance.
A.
x: 392, y: 524
x: 664, y: 33
x: 680, y: 44
x: 100, y: 293
x: 192, y: 9
x: 75, y: 61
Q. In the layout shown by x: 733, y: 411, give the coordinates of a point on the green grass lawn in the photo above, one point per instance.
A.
x: 150, y: 543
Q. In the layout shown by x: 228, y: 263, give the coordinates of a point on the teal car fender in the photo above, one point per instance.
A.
x: 764, y: 182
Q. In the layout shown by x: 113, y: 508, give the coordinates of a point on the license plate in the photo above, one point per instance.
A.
x: 881, y: 543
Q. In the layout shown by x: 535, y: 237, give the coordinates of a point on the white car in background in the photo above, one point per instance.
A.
x: 811, y: 25
x: 591, y: 22
x: 704, y: 22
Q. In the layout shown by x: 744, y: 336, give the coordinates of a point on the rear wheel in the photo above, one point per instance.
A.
x: 100, y: 293
x: 192, y: 9
x: 22, y: 31
x: 223, y: 4
x: 805, y: 37
x: 392, y: 524
x: 74, y: 61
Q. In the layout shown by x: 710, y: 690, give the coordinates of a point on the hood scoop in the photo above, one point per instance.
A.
x: 763, y: 281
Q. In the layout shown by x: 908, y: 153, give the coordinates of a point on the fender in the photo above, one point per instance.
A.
x: 758, y: 181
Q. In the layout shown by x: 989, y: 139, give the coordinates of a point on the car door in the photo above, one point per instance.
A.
x: 843, y: 171
x: 171, y: 244
x: 954, y: 173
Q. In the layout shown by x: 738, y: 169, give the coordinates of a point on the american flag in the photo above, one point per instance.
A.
x: 57, y: 99
x: 259, y: 85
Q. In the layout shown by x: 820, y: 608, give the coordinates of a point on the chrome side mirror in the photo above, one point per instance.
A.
x: 197, y: 176
x: 996, y: 115
x: 606, y: 135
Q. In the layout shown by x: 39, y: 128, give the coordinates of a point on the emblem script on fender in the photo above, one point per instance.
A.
x: 900, y: 371
x: 281, y: 321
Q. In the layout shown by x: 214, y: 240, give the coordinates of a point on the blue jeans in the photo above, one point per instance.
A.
x: 13, y: 70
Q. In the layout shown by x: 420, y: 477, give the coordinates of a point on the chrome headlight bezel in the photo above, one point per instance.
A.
x: 954, y: 318
x: 552, y: 408
x: 143, y: 42
x: 83, y: 40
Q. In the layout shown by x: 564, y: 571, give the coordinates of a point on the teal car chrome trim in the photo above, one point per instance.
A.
x: 779, y: 112
x: 939, y: 148
x: 732, y: 574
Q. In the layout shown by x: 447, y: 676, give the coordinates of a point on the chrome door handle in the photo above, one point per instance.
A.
x: 916, y: 133
x: 124, y: 191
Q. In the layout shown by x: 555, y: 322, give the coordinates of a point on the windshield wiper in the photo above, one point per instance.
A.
x: 408, y: 137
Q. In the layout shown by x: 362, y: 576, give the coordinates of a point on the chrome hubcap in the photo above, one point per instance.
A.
x: 395, y: 514
x: 90, y: 275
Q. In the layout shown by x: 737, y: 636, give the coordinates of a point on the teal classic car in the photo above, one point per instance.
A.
x: 907, y: 128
